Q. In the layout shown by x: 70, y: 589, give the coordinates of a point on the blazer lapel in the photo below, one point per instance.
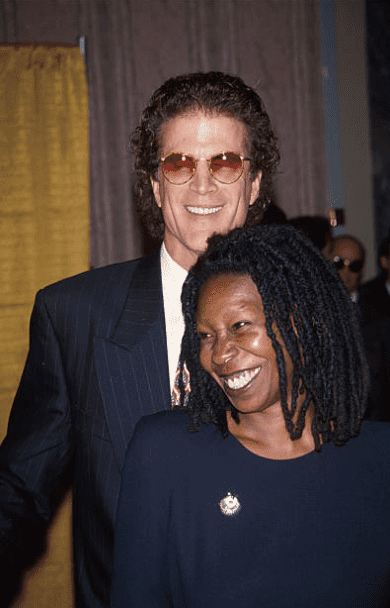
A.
x: 133, y: 364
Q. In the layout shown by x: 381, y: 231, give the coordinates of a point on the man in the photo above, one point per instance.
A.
x: 105, y: 344
x: 375, y: 294
x: 348, y: 255
x: 374, y: 298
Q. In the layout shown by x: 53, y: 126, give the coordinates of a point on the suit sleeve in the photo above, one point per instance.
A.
x: 37, y: 450
x: 141, y: 569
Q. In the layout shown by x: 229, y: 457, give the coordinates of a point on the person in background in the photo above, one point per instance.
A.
x: 105, y: 344
x: 317, y: 228
x: 375, y: 294
x: 348, y: 255
x: 374, y: 300
x: 267, y: 489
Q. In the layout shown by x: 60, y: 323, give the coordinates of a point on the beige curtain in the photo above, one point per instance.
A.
x: 44, y: 228
x: 134, y: 45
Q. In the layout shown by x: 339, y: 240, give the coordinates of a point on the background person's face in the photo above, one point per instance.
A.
x: 196, y: 210
x: 349, y: 251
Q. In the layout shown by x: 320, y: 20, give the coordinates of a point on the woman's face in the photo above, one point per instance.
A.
x: 234, y: 346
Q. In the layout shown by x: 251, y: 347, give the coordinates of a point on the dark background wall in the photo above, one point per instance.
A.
x: 378, y: 56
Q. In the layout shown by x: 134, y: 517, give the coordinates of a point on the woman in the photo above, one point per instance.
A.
x: 278, y: 496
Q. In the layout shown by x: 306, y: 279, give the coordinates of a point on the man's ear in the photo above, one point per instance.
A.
x: 156, y: 191
x: 255, y: 188
x: 384, y: 262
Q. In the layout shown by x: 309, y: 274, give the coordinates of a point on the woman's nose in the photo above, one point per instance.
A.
x: 223, y: 350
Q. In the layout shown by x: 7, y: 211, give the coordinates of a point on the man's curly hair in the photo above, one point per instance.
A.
x: 305, y: 299
x: 214, y: 93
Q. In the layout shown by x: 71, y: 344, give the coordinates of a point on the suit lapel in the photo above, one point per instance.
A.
x: 144, y: 303
x: 133, y: 365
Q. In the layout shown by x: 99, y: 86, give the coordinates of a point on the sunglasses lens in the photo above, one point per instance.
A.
x: 356, y: 266
x: 226, y: 167
x: 177, y: 168
x: 339, y: 263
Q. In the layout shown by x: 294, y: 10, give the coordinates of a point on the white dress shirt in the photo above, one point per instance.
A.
x: 354, y: 296
x: 173, y: 277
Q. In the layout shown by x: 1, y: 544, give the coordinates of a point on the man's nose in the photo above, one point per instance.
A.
x: 203, y: 182
x: 224, y: 349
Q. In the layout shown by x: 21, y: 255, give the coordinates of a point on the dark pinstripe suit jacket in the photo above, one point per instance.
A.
x: 97, y: 363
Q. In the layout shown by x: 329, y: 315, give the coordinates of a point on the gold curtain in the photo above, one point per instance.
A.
x: 44, y: 233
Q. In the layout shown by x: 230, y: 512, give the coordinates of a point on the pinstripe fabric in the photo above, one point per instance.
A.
x: 97, y: 363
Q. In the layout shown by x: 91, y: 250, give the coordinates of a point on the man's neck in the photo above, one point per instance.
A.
x: 169, y: 262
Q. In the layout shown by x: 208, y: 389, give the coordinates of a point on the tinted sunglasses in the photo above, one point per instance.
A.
x: 354, y: 266
x: 226, y: 167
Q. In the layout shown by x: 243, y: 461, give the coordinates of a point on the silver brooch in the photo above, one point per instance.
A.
x: 230, y: 505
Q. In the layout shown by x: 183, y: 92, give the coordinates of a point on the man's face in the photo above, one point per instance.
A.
x: 348, y: 251
x: 195, y: 210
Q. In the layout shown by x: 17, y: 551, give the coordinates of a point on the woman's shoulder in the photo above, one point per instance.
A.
x: 163, y: 424
x: 373, y: 441
x: 167, y: 433
x: 372, y: 430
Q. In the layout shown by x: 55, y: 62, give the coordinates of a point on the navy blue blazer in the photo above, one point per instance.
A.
x: 97, y: 363
x: 374, y: 298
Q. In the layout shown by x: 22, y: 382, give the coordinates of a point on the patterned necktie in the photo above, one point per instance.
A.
x: 175, y: 398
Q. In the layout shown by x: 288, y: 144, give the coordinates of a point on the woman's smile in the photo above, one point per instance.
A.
x: 240, y: 380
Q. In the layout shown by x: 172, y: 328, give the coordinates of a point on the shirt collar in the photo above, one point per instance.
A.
x: 171, y: 270
x: 354, y: 296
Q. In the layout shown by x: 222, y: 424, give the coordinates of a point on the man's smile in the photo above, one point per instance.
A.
x: 203, y: 210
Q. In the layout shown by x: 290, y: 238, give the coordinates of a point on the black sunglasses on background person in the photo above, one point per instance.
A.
x: 354, y: 266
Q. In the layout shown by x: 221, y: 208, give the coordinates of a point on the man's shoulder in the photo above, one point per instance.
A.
x: 374, y: 299
x: 108, y: 282
x: 93, y: 290
x: 372, y: 286
x: 114, y: 273
x: 167, y: 422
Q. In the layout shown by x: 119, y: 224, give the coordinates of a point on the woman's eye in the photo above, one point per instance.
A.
x: 240, y: 324
x: 203, y: 335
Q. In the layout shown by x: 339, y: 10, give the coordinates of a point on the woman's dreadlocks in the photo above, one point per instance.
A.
x: 302, y: 296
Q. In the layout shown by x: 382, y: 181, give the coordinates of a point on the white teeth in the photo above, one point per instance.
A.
x: 203, y: 210
x: 242, y: 379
